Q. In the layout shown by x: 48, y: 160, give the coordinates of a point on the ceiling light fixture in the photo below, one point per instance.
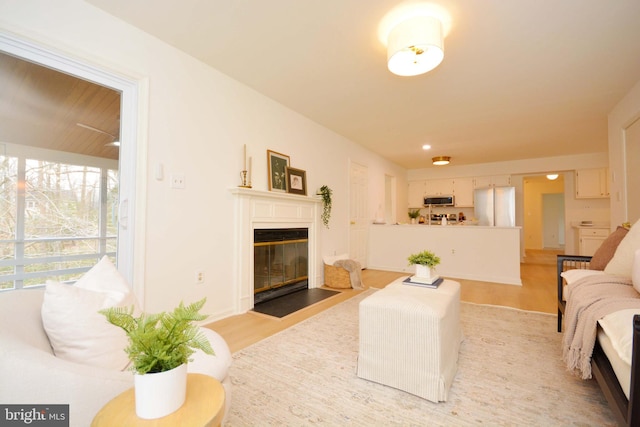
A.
x: 415, y: 46
x: 441, y: 160
x: 426, y: 147
x: 552, y: 176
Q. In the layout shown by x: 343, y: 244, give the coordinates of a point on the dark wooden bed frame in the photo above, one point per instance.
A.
x: 626, y: 411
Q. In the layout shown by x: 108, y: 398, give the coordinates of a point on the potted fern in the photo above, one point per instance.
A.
x: 425, y: 263
x: 160, y: 345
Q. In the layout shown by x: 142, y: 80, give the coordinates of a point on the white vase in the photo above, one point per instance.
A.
x: 424, y: 272
x: 161, y: 393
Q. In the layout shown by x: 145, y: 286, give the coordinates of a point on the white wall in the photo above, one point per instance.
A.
x: 198, y: 120
x: 622, y: 116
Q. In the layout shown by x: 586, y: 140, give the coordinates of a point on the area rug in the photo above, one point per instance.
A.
x: 510, y: 374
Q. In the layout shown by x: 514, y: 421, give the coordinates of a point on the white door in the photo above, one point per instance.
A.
x: 358, y: 217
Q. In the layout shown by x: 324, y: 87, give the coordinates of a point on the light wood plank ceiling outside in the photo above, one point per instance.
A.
x: 41, y: 107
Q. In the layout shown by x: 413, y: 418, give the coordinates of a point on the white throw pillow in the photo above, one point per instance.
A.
x: 620, y: 264
x: 635, y: 272
x: 105, y: 277
x: 619, y: 328
x: 76, y: 331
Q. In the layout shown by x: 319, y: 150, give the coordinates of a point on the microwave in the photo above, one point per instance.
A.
x: 439, y: 200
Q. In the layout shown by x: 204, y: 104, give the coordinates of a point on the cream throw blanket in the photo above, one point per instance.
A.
x: 354, y: 269
x: 588, y: 300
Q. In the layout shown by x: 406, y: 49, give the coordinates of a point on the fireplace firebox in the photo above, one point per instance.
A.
x: 280, y: 262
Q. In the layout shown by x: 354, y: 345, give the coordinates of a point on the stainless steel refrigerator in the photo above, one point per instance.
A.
x: 495, y: 206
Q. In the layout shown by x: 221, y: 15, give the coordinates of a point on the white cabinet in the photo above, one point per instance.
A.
x: 592, y: 183
x: 492, y: 181
x: 416, y: 194
x: 463, y: 191
x: 590, y: 239
x: 439, y: 187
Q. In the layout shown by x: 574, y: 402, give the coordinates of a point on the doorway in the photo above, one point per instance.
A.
x: 553, y: 221
x: 389, y: 199
x: 129, y: 110
x: 543, y: 224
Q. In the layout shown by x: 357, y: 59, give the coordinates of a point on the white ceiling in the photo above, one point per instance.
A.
x: 520, y: 78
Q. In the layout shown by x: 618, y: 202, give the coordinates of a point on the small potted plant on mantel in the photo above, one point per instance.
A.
x: 414, y: 214
x: 160, y: 345
x: 425, y: 263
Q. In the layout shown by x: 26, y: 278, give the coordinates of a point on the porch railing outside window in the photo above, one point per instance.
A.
x: 56, y: 220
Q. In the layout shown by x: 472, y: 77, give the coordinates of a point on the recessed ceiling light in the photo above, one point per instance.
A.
x: 426, y: 147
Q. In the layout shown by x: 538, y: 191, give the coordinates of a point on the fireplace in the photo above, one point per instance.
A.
x: 269, y: 210
x: 280, y: 262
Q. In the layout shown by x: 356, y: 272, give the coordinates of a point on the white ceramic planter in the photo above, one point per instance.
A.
x: 160, y: 394
x: 424, y: 272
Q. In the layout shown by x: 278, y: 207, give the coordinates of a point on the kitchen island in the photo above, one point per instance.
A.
x: 488, y: 254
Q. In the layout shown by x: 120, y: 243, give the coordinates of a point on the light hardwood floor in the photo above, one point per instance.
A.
x: 537, y: 293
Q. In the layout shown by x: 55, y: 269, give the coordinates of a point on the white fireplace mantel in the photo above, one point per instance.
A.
x: 255, y: 209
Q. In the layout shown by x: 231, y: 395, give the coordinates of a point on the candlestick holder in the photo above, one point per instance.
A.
x: 243, y: 180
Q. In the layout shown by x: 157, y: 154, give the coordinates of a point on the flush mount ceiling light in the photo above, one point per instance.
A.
x: 552, y: 176
x: 415, y: 46
x: 441, y: 160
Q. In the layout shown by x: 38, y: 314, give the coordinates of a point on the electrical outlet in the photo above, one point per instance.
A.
x: 177, y: 180
x: 199, y: 277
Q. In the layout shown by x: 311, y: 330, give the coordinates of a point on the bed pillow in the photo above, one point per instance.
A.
x: 622, y: 260
x: 607, y: 249
x: 76, y: 331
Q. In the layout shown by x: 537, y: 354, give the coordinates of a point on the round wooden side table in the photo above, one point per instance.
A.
x: 203, y: 406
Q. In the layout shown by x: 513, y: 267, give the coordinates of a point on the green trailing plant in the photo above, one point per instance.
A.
x: 426, y: 258
x: 325, y: 192
x: 163, y: 341
x: 413, y: 214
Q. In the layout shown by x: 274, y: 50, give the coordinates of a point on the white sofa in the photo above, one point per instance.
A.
x: 30, y: 373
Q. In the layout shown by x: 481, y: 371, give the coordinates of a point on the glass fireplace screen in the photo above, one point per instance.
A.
x: 280, y: 258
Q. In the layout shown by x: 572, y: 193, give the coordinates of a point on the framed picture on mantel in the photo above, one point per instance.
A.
x: 277, y: 166
x: 297, y: 181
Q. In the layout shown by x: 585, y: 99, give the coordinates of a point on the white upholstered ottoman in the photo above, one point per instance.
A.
x: 410, y: 337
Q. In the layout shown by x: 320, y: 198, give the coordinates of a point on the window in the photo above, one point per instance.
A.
x: 57, y: 219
